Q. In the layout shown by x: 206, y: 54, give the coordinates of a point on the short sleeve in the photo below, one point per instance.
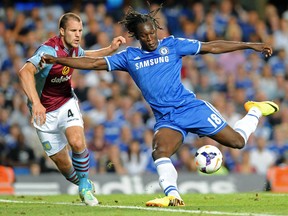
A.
x: 81, y: 52
x: 185, y: 46
x: 117, y: 61
x: 35, y: 59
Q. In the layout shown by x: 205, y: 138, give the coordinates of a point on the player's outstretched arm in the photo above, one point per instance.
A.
x: 85, y: 63
x: 114, y: 46
x: 221, y: 46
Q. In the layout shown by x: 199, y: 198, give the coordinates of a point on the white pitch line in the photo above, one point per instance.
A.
x: 140, y: 208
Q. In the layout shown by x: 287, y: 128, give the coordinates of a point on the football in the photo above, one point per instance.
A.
x: 208, y: 159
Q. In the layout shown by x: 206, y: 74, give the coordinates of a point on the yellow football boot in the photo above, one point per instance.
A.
x: 165, y: 201
x: 266, y: 107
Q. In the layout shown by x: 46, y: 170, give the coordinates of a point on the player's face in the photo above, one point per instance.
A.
x: 147, y: 36
x: 72, y: 34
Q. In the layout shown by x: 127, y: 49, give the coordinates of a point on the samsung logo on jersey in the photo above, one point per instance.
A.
x: 61, y: 79
x: 151, y: 62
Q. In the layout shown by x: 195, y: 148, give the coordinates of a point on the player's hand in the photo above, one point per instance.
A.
x: 47, y: 59
x: 117, y: 42
x: 38, y: 114
x: 265, y: 49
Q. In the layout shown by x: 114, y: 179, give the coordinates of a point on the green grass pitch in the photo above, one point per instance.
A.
x: 241, y: 204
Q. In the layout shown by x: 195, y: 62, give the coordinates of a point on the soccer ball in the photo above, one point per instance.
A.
x: 208, y: 159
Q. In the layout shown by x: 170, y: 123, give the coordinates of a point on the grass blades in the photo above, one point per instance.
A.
x: 241, y: 204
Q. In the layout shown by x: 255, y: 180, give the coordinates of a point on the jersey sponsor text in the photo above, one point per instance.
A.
x: 151, y: 62
x: 61, y: 79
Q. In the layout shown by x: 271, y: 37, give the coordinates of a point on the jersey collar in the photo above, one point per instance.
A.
x: 61, y: 44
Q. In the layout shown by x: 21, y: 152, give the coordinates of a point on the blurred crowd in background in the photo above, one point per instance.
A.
x: 118, y: 122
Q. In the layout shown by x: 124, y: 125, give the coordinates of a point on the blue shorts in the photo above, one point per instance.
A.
x: 199, y: 117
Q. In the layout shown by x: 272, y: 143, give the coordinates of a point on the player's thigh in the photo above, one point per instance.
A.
x: 70, y: 121
x: 167, y: 140
x: 229, y: 137
x: 62, y: 160
x: 52, y: 142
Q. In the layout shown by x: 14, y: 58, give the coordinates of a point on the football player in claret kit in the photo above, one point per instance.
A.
x: 54, y: 107
x: 155, y: 67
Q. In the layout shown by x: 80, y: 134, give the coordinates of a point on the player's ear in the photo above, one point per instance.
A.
x: 61, y: 30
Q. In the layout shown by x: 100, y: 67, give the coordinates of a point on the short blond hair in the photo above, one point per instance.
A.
x: 67, y: 16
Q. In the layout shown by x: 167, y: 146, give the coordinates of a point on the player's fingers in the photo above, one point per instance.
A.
x: 42, y: 62
x: 120, y: 40
x: 123, y: 40
x: 32, y: 120
x: 267, y: 52
x: 43, y: 119
x: 39, y: 119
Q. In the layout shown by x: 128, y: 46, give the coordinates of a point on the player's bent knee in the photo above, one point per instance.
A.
x: 235, y: 140
x: 160, y: 153
x: 77, y: 145
x: 237, y: 143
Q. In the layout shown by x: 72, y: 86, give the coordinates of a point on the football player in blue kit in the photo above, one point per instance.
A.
x: 155, y: 67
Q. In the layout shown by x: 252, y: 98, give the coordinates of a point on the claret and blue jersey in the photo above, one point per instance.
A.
x: 53, y: 82
x: 157, y: 73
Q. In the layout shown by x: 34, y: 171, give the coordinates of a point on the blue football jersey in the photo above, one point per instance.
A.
x: 158, y: 73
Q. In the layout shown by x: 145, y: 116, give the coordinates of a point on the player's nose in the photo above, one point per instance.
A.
x: 78, y: 34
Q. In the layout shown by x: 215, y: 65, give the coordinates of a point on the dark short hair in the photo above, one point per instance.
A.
x: 67, y: 16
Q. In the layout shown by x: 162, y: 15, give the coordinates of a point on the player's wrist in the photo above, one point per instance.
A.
x: 56, y: 60
x: 112, y: 48
x: 35, y: 103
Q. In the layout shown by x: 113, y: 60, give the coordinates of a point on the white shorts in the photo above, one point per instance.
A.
x: 52, y: 133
